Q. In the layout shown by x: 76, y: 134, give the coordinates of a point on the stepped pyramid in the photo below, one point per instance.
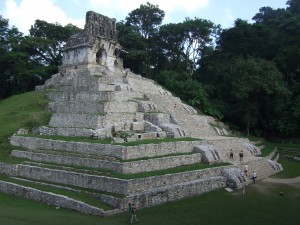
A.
x: 94, y: 97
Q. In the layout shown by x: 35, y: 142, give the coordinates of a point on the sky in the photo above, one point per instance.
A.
x: 23, y: 13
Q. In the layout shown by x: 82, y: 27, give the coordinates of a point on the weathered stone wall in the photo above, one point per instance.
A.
x: 175, y: 192
x: 109, y: 184
x: 81, y: 96
x: 64, y: 131
x: 164, y: 148
x: 48, y: 198
x: 8, y: 169
x: 125, y: 167
x: 95, y: 182
x: 122, y: 152
x: 148, y: 183
x: 79, y: 147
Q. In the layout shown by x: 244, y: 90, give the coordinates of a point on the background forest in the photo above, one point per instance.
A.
x: 247, y: 76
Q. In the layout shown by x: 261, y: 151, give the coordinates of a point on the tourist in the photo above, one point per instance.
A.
x: 245, y: 191
x: 254, y: 177
x: 241, y: 154
x: 246, y: 170
x: 175, y: 106
x: 230, y: 154
x: 129, y: 213
x: 133, y: 214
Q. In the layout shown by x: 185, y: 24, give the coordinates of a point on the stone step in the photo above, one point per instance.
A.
x: 118, y: 151
x: 163, y: 181
x: 263, y: 168
x: 104, y: 183
x: 111, y: 164
x: 93, y: 107
x: 93, y: 121
x: 65, y: 131
x: 51, y: 198
x: 92, y: 96
x: 64, y: 177
x: 178, y: 191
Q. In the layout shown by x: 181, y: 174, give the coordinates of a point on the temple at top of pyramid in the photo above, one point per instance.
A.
x: 95, y: 45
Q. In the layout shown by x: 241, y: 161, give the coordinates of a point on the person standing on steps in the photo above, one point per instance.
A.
x: 246, y: 169
x: 241, y: 154
x: 230, y: 154
x: 254, y: 177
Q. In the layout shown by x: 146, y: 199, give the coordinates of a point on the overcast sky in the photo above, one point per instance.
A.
x: 23, y: 13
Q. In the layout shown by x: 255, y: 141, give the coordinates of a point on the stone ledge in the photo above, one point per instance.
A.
x: 49, y: 198
x: 121, y: 167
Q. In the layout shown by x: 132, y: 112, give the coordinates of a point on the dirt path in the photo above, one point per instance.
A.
x: 293, y: 181
x: 263, y: 185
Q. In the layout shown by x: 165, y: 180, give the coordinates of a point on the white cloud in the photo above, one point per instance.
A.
x: 229, y: 18
x: 24, y: 14
x: 123, y: 7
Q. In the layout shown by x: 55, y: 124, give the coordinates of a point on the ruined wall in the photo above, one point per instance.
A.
x: 48, y: 198
x: 96, y: 44
x: 121, y: 167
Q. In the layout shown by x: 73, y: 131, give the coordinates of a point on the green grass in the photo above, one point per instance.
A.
x: 110, y: 173
x: 267, y: 149
x: 21, y: 111
x: 214, y: 208
x: 109, y: 140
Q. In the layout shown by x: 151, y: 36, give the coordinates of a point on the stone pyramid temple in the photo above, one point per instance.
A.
x: 95, y: 98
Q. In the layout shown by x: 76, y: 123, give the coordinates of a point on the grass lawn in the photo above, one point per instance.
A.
x: 214, y: 208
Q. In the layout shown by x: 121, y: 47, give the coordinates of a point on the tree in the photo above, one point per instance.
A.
x: 15, y: 62
x: 171, y: 46
x: 258, y: 92
x: 187, y: 42
x: 198, y: 35
x: 134, y: 47
x: 146, y: 19
x: 267, y: 15
x: 47, y: 39
x: 293, y: 6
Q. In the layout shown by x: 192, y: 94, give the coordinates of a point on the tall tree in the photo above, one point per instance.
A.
x: 293, y: 6
x: 146, y: 19
x: 15, y: 62
x: 47, y: 40
x: 198, y: 38
x: 258, y: 92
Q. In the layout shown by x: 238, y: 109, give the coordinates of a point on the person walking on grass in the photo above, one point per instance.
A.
x: 254, y: 177
x: 129, y: 213
x: 245, y: 191
x: 133, y: 214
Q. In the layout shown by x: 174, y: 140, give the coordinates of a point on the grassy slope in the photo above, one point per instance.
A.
x: 20, y: 111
